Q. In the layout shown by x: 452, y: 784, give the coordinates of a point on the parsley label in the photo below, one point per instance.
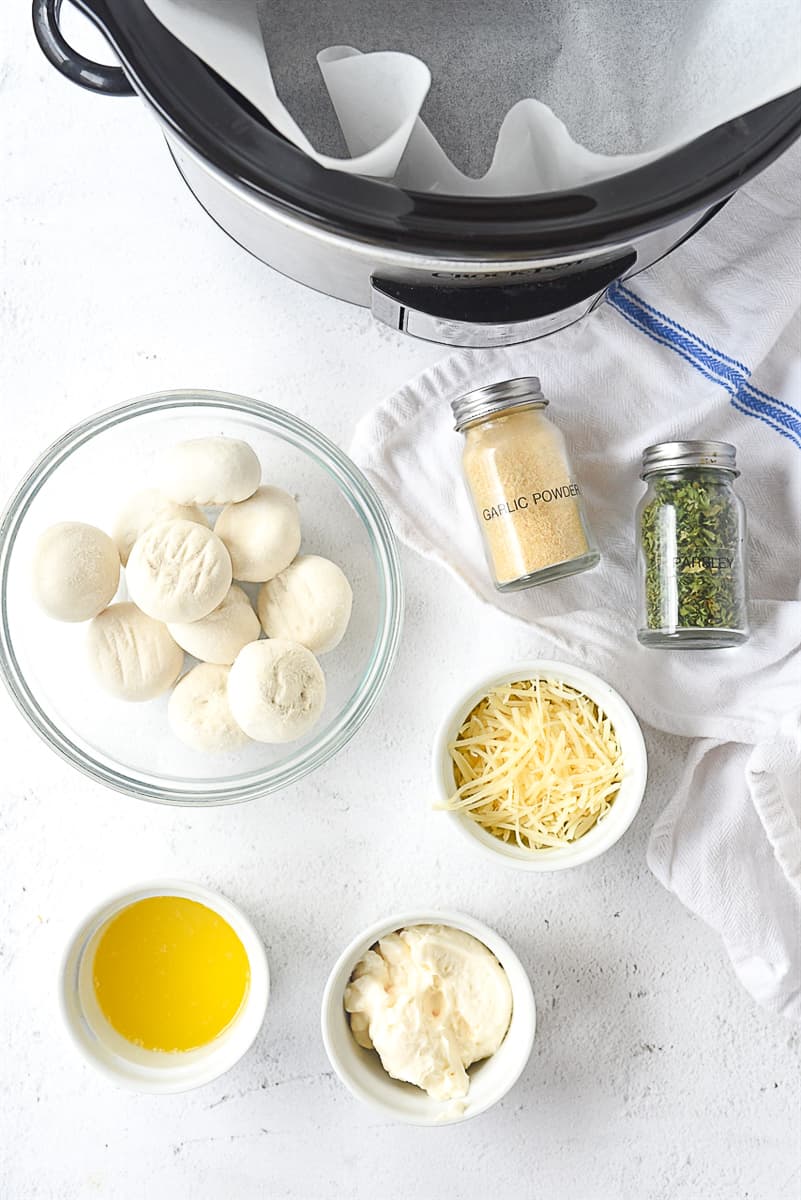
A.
x: 691, y: 541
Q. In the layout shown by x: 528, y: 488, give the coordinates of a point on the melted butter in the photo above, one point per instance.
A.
x: 169, y: 973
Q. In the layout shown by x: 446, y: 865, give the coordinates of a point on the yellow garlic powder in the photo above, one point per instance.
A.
x: 526, y: 498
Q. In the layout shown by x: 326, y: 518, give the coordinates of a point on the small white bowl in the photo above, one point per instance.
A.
x: 361, y: 1070
x: 606, y: 832
x: 148, y: 1070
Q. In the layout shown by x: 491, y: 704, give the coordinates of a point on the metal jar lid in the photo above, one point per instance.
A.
x: 496, y: 398
x: 675, y: 456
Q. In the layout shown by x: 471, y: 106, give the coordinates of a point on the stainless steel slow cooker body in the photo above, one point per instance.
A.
x: 463, y: 300
x: 460, y: 270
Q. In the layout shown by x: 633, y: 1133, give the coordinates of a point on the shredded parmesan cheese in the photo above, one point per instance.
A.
x: 536, y: 763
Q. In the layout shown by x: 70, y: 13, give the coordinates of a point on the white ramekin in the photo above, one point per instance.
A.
x: 622, y: 812
x: 148, y: 1070
x: 361, y: 1070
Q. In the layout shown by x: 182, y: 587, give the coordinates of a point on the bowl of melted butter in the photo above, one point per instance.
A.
x: 165, y: 987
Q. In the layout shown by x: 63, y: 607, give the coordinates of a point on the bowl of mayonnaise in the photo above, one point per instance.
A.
x: 429, y: 1017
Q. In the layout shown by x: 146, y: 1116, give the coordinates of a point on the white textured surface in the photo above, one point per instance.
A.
x: 653, y: 1076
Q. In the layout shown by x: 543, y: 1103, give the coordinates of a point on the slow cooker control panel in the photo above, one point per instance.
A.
x: 496, y: 308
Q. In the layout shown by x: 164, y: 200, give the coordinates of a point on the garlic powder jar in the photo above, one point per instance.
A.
x: 527, y: 500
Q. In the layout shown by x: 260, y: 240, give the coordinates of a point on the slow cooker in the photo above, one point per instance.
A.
x: 460, y: 270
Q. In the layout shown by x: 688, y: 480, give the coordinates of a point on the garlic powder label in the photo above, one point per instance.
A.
x: 506, y: 508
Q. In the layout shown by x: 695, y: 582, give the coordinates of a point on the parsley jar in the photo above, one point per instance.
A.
x: 691, y: 531
x: 526, y: 498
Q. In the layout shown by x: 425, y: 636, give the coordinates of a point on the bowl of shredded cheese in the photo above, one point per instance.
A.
x: 543, y: 766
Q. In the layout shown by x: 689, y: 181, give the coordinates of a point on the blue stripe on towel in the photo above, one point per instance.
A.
x: 713, y: 364
x: 736, y: 399
x: 723, y: 359
x: 682, y: 328
x: 774, y: 400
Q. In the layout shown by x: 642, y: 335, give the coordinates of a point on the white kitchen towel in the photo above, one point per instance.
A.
x: 706, y: 344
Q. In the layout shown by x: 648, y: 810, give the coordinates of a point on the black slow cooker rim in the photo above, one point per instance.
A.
x: 219, y: 126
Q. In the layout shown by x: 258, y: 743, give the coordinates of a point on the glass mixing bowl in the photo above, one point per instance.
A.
x: 85, y: 476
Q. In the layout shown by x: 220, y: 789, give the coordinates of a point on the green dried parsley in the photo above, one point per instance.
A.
x: 691, y: 541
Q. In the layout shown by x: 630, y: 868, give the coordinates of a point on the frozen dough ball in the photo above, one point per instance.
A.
x: 276, y: 690
x: 76, y: 571
x: 133, y: 656
x: 262, y: 534
x: 309, y: 602
x: 145, y: 509
x: 220, y: 636
x: 178, y: 571
x: 215, y: 470
x: 199, y: 712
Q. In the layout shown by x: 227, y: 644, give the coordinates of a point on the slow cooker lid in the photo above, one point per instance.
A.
x: 219, y: 125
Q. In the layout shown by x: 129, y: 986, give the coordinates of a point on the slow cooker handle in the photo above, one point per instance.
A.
x: 96, y: 77
x: 497, y: 309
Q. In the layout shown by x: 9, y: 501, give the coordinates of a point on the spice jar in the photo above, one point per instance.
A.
x: 526, y: 498
x: 691, y: 545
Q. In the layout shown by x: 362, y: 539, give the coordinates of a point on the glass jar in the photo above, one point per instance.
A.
x: 526, y: 498
x: 691, y: 547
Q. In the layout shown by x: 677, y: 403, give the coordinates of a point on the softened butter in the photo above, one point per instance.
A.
x: 430, y: 1000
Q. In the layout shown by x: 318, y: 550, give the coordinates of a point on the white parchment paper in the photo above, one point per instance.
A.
x: 494, y: 98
